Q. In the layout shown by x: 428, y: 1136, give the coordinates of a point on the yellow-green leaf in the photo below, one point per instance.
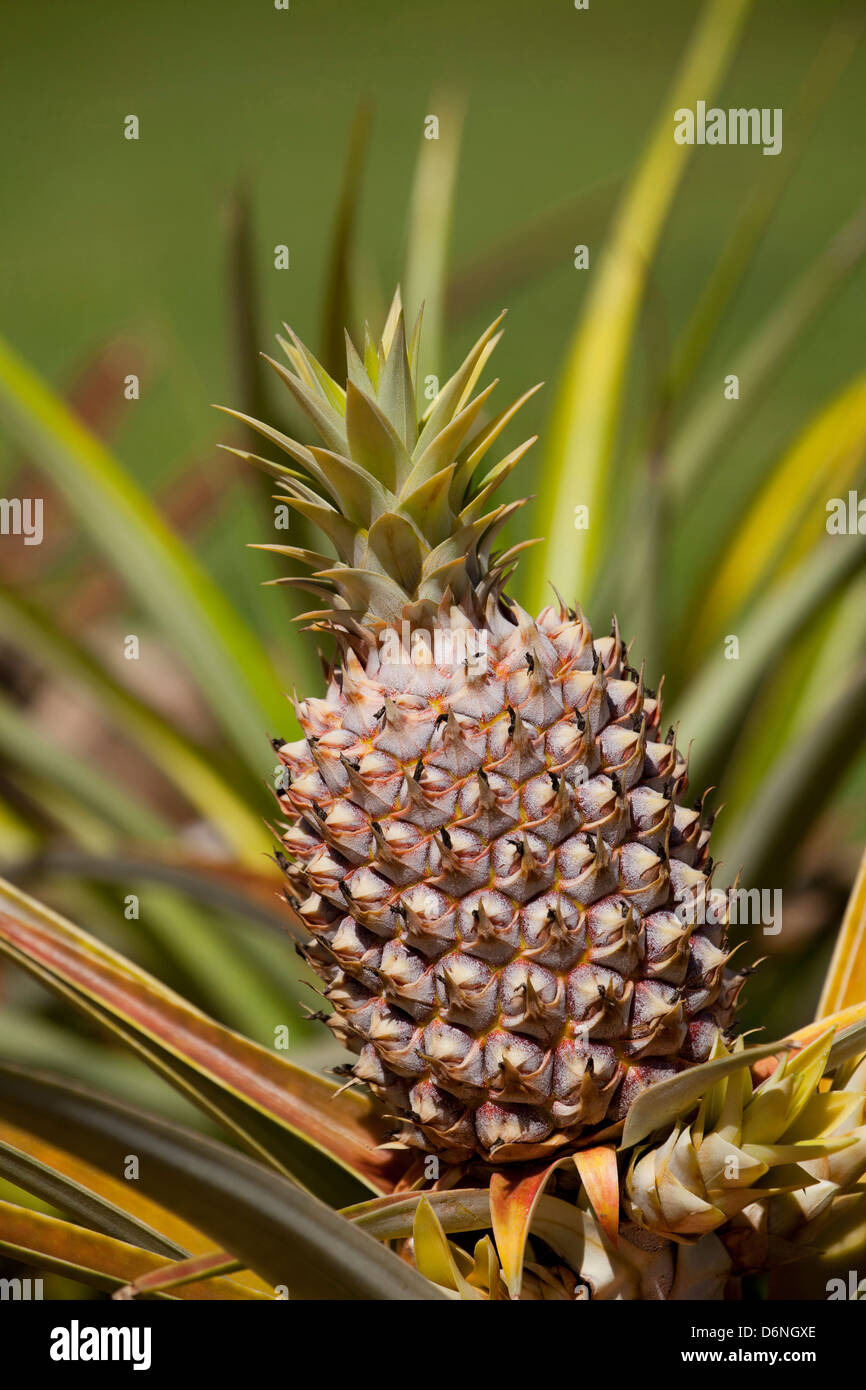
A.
x: 585, y: 420
x: 845, y: 981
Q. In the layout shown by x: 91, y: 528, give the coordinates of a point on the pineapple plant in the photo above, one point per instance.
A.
x: 488, y: 863
x: 485, y: 844
x: 485, y: 835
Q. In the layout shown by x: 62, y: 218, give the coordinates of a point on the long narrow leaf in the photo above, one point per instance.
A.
x: 572, y: 1233
x: 718, y: 696
x: 35, y: 1238
x: 22, y: 744
x: 600, y: 1177
x: 768, y: 187
x: 434, y: 1256
x: 796, y: 790
x: 233, y: 670
x: 339, y: 308
x: 179, y: 1274
x: 305, y: 1104
x: 711, y: 422
x: 788, y: 704
x: 391, y: 1218
x: 822, y: 463
x: 664, y: 1102
x: 251, y: 1130
x: 845, y: 981
x: 79, y: 1203
x: 33, y: 1039
x: 227, y: 980
x: 430, y: 230
x: 177, y: 759
x: 268, y: 1224
x: 213, y: 961
x: 849, y: 1024
x: 250, y: 892
x: 122, y: 1194
x: 585, y: 420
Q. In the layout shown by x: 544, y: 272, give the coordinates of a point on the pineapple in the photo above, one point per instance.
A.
x: 484, y: 837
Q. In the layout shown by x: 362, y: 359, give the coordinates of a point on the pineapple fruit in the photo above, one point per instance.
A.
x: 484, y: 836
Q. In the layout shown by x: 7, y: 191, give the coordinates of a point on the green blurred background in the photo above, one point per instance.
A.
x: 104, y: 236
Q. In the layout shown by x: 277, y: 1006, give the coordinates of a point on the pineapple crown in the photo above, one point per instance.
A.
x: 402, y: 499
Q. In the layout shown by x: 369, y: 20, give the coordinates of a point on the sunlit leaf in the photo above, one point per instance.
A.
x: 251, y: 1130
x: 31, y: 1038
x: 392, y: 1217
x: 664, y: 1102
x: 513, y: 1200
x: 228, y: 981
x: 433, y: 1255
x: 584, y: 427
x: 845, y: 981
x: 850, y: 1041
x: 45, y: 1241
x: 849, y: 1025
x: 118, y: 1190
x: 600, y: 1177
x: 823, y: 462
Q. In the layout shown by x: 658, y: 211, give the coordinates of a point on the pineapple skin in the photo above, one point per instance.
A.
x: 496, y: 873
